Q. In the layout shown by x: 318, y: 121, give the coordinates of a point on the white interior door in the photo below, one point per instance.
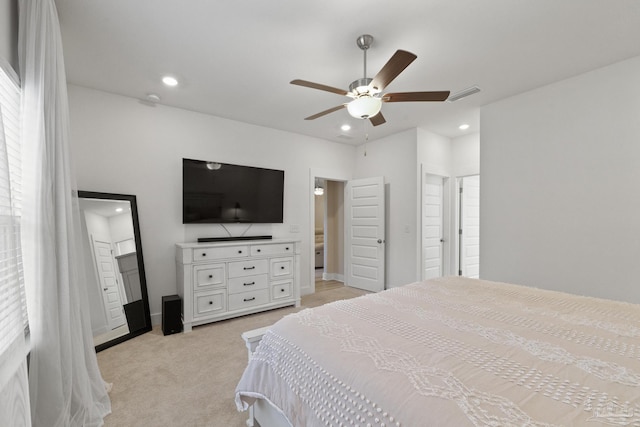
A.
x: 107, y: 274
x: 365, y: 234
x: 470, y: 226
x: 432, y: 226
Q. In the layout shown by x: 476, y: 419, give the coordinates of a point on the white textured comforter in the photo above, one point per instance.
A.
x: 453, y: 352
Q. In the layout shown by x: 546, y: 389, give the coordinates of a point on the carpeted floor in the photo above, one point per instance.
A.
x: 189, y: 379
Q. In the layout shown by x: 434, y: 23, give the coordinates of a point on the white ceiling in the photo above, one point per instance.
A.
x: 103, y: 207
x: 235, y: 58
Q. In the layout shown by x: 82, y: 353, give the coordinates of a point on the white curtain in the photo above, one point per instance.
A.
x: 65, y: 384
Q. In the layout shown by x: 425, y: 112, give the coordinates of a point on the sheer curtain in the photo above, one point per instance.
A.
x: 65, y: 384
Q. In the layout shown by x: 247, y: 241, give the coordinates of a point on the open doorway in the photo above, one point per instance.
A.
x: 328, y: 237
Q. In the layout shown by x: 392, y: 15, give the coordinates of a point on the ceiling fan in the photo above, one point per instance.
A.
x: 367, y: 92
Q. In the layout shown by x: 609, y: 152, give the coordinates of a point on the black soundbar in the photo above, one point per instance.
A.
x: 231, y: 239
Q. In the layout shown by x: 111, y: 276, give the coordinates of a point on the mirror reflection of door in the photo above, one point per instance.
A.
x: 109, y: 238
x: 112, y: 298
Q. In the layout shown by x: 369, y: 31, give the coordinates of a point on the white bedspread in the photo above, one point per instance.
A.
x: 453, y: 352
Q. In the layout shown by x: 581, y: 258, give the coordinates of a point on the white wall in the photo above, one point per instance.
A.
x: 434, y: 153
x: 121, y: 228
x: 394, y: 157
x: 120, y: 145
x: 560, y: 176
x: 465, y: 155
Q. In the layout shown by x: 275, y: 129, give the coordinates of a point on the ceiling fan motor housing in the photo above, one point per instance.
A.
x: 361, y: 86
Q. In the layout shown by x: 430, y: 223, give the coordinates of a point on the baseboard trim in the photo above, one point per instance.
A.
x: 101, y: 330
x: 333, y: 276
x: 156, y: 319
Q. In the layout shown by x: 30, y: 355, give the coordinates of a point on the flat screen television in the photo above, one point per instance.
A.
x: 216, y: 193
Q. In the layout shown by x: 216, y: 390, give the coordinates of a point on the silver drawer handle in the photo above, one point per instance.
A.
x: 249, y: 284
x: 249, y: 299
x: 250, y: 268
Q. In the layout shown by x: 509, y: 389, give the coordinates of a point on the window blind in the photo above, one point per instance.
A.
x: 13, y: 311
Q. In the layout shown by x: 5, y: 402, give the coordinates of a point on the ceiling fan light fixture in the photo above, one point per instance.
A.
x: 364, y: 107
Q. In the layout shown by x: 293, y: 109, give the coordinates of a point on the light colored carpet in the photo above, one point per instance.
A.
x: 189, y: 379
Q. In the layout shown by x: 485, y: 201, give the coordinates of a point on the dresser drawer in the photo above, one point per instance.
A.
x: 281, y: 290
x: 209, y: 303
x: 248, y: 299
x: 248, y: 283
x: 208, y: 254
x: 248, y: 268
x: 209, y: 275
x: 272, y: 249
x: 281, y: 267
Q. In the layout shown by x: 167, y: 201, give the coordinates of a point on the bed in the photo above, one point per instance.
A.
x: 448, y: 352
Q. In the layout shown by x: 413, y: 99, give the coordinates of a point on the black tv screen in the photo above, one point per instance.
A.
x: 215, y: 193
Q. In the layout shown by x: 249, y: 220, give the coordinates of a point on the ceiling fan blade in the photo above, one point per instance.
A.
x: 398, y: 62
x: 319, y: 86
x: 416, y: 96
x: 378, y: 119
x: 325, y: 112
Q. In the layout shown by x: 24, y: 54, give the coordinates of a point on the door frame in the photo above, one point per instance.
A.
x: 330, y: 175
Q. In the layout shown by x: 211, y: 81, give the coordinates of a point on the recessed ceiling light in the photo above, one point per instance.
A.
x: 345, y: 127
x: 119, y: 209
x: 463, y: 127
x: 170, y: 81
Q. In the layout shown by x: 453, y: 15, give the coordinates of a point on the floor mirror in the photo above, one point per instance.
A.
x: 114, y: 266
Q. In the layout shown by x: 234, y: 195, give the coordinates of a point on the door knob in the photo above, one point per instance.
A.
x: 379, y: 240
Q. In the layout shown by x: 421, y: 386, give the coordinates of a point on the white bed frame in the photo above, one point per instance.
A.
x: 262, y: 413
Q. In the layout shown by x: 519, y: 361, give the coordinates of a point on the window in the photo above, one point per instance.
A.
x: 13, y: 312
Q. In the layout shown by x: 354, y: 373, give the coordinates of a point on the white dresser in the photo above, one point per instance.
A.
x: 218, y: 281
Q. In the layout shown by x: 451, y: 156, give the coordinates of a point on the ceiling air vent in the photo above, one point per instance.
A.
x: 463, y: 93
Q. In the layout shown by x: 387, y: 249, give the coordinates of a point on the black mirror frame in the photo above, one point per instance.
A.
x: 143, y: 279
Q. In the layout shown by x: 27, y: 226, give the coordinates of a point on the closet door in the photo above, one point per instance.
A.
x: 432, y: 226
x: 470, y: 226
